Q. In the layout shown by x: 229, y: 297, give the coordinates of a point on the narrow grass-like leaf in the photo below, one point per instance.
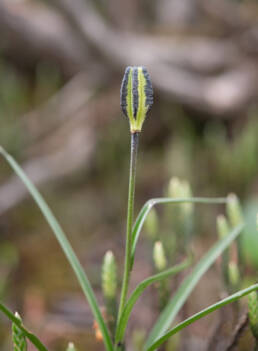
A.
x: 202, y: 314
x: 165, y: 200
x: 140, y: 289
x: 66, y: 246
x: 33, y: 339
x: 187, y: 286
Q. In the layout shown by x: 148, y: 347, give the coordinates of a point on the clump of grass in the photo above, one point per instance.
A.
x: 136, y: 100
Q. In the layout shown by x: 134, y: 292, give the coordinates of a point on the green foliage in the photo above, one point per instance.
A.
x: 201, y: 314
x: 136, y: 99
x: 64, y: 243
x: 122, y: 322
x: 168, y: 315
x: 33, y: 339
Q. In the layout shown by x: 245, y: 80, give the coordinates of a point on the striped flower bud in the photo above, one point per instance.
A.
x: 18, y: 337
x: 253, y: 313
x: 71, y: 347
x: 222, y: 226
x: 136, y: 96
x: 109, y: 276
x: 159, y: 256
x: 234, y: 210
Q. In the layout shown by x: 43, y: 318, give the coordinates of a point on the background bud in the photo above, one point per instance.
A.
x: 159, y: 256
x: 18, y: 337
x: 109, y: 275
x: 151, y: 224
x: 222, y: 226
x: 233, y: 274
x: 234, y: 210
x: 71, y: 347
x: 178, y: 188
x: 253, y: 313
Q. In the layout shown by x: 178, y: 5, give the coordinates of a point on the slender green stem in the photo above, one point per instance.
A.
x: 130, y: 210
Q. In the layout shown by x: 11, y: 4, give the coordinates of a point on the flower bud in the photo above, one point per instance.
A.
x: 222, y: 226
x: 136, y: 96
x: 159, y: 256
x: 234, y: 210
x: 253, y: 313
x: 18, y: 337
x: 109, y: 276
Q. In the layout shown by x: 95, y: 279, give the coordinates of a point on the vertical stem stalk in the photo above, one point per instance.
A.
x: 130, y: 212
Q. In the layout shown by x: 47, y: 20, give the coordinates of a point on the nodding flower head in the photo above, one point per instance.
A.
x: 136, y: 96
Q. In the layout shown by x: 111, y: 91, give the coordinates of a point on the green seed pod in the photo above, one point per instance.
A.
x: 222, y: 226
x: 18, y: 337
x: 109, y: 276
x: 71, y: 347
x: 233, y: 273
x: 136, y: 96
x: 151, y: 224
x: 253, y: 313
x: 159, y: 256
x: 234, y: 210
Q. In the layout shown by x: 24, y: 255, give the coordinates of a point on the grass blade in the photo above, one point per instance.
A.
x: 165, y: 200
x: 67, y: 248
x: 202, y: 314
x: 187, y: 286
x: 33, y: 339
x: 122, y: 323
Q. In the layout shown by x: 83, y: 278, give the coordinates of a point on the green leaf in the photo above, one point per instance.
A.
x: 34, y: 340
x: 165, y: 200
x: 187, y: 286
x: 66, y: 246
x: 122, y: 323
x: 202, y: 314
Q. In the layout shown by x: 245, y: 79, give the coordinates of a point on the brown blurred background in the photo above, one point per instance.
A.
x: 61, y: 65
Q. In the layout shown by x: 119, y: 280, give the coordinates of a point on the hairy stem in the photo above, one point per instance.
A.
x: 130, y: 211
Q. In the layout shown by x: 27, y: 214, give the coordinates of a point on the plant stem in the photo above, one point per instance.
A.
x: 130, y: 211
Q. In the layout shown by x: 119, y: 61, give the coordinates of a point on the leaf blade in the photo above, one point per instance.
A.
x: 202, y: 314
x: 140, y: 289
x: 65, y: 245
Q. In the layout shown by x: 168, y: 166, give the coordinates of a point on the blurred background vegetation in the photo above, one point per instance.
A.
x: 61, y: 65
